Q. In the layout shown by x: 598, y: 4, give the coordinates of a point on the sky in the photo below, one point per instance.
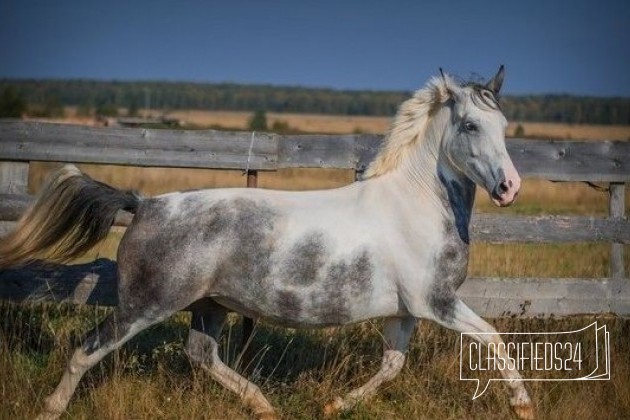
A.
x: 578, y: 47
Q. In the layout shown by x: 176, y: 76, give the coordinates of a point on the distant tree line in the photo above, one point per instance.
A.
x: 108, y: 96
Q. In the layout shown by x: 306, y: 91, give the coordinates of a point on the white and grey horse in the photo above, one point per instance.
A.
x: 393, y: 246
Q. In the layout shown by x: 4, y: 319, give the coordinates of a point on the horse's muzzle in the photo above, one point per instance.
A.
x: 506, y: 189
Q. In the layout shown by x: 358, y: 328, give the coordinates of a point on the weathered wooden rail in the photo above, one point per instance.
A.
x: 95, y: 283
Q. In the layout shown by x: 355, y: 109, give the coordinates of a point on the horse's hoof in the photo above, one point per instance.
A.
x: 268, y: 415
x: 47, y: 415
x: 525, y: 411
x: 334, y: 407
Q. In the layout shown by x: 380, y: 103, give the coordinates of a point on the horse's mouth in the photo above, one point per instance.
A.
x: 504, y: 200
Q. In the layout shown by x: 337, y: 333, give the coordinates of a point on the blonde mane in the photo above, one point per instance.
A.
x: 409, y: 126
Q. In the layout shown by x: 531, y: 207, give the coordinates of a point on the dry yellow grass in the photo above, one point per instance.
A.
x: 572, y: 131
x: 309, y: 123
x: 151, y: 378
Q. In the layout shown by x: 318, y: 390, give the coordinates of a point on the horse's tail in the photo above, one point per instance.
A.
x: 72, y: 213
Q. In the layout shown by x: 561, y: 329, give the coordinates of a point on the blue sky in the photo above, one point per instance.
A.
x: 578, y: 47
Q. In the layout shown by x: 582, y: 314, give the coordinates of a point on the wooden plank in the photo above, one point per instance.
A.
x: 139, y: 147
x: 366, y: 148
x: 565, y: 160
x: 317, y: 151
x: 211, y: 141
x: 534, y: 297
x: 14, y: 177
x: 57, y: 152
x: 616, y: 211
x: 95, y: 283
x: 499, y: 228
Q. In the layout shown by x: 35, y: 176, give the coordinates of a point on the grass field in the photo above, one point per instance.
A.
x: 343, y: 124
x: 298, y: 370
x: 339, y: 124
x: 302, y: 370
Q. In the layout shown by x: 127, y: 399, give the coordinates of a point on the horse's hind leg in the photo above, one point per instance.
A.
x: 202, y: 348
x: 456, y: 315
x: 246, y: 350
x: 397, y: 333
x: 112, y: 333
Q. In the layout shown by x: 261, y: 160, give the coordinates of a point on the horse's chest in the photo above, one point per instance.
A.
x: 451, y: 262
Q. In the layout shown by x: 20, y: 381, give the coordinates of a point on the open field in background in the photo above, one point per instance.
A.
x: 302, y: 370
x: 343, y: 124
x: 309, y: 123
x: 571, y: 131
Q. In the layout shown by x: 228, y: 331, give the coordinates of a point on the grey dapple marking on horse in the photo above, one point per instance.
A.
x: 394, y: 245
x: 308, y: 258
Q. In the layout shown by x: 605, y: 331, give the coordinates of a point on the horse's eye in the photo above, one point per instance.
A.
x: 470, y: 126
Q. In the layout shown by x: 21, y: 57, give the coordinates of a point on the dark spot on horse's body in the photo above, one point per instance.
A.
x: 163, y: 257
x: 328, y: 289
x: 442, y: 299
x: 346, y: 283
x: 141, y: 278
x: 451, y: 260
x: 451, y: 266
x: 248, y: 243
x: 289, y: 305
x: 460, y: 198
x: 302, y: 265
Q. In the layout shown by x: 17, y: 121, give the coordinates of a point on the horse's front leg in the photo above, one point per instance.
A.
x: 397, y: 332
x: 453, y: 313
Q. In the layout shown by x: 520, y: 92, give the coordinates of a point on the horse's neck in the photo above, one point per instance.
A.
x: 436, y: 188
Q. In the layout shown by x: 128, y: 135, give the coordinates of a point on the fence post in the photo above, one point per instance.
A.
x: 616, y: 210
x: 13, y: 180
x: 252, y: 179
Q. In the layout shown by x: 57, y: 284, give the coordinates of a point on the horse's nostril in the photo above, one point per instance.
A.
x: 510, y: 183
x: 504, y: 186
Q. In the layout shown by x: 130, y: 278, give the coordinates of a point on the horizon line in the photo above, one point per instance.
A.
x: 282, y: 86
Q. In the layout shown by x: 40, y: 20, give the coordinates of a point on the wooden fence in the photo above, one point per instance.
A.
x: 597, y: 161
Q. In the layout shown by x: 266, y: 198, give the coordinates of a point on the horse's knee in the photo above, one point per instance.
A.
x: 201, y: 348
x: 79, y: 362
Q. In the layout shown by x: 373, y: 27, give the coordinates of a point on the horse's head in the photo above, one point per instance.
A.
x: 474, y: 141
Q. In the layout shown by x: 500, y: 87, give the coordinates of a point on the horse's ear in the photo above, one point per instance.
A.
x: 452, y: 90
x: 497, y: 81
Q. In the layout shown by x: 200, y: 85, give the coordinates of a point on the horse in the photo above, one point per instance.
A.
x: 392, y: 245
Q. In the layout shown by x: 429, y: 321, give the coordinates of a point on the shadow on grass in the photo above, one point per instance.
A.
x: 277, y: 354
